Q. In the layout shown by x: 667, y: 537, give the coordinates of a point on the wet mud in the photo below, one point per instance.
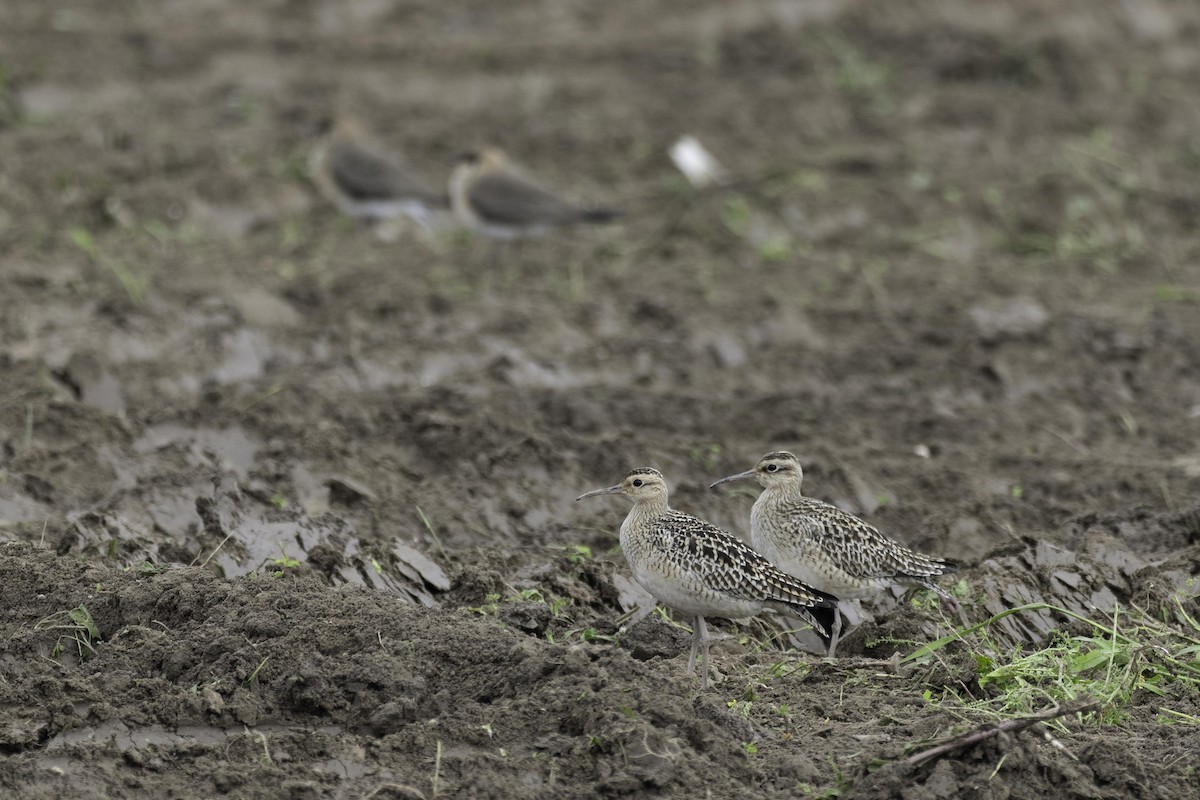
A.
x: 286, y: 501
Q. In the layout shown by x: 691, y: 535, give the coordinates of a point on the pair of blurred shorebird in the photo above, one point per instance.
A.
x: 485, y: 193
x: 804, y: 555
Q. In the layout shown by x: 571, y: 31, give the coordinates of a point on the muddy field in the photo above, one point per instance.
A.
x: 286, y: 501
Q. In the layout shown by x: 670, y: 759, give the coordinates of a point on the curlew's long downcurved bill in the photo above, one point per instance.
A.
x: 741, y: 476
x: 597, y: 492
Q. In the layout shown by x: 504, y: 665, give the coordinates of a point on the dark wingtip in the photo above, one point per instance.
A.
x: 826, y: 616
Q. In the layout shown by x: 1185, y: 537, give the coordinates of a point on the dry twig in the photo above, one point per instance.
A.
x: 988, y: 730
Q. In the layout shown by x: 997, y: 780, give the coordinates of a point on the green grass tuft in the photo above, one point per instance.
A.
x: 1128, y: 654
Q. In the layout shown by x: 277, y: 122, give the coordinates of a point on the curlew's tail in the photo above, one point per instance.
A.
x: 821, y: 614
x: 946, y: 564
x: 822, y: 620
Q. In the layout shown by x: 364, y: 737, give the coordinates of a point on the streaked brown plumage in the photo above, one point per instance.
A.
x: 490, y: 196
x: 824, y: 546
x: 701, y: 570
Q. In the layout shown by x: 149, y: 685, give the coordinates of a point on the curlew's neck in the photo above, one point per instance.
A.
x: 641, y: 519
x: 650, y: 507
x: 783, y: 491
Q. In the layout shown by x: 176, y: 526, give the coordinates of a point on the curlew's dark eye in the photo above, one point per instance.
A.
x: 637, y: 482
x: 772, y: 468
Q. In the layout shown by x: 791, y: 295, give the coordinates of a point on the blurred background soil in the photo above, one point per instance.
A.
x: 313, y: 482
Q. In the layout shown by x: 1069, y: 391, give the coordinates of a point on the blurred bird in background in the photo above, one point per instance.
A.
x: 489, y: 195
x: 368, y: 182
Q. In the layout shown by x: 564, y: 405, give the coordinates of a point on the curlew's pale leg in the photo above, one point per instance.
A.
x: 948, y: 601
x: 697, y: 626
x: 702, y: 643
x: 835, y: 632
x: 695, y: 647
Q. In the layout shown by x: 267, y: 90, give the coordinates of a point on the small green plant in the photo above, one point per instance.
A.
x: 775, y: 248
x: 836, y: 789
x: 83, y: 239
x: 707, y: 456
x: 860, y: 78
x: 437, y: 541
x: 1172, y: 293
x: 925, y: 599
x: 265, y: 758
x: 558, y: 605
x: 489, y: 608
x: 436, y: 781
x: 740, y: 707
x: 736, y: 215
x: 782, y: 669
x: 750, y: 747
x: 253, y: 676
x: 283, y: 562
x: 590, y: 634
x: 578, y: 552
x: 77, y: 626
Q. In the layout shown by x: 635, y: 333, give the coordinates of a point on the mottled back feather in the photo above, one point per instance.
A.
x: 701, y: 554
x: 858, y: 547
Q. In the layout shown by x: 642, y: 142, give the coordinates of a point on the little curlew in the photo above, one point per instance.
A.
x: 824, y: 546
x: 488, y: 195
x: 703, y: 571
